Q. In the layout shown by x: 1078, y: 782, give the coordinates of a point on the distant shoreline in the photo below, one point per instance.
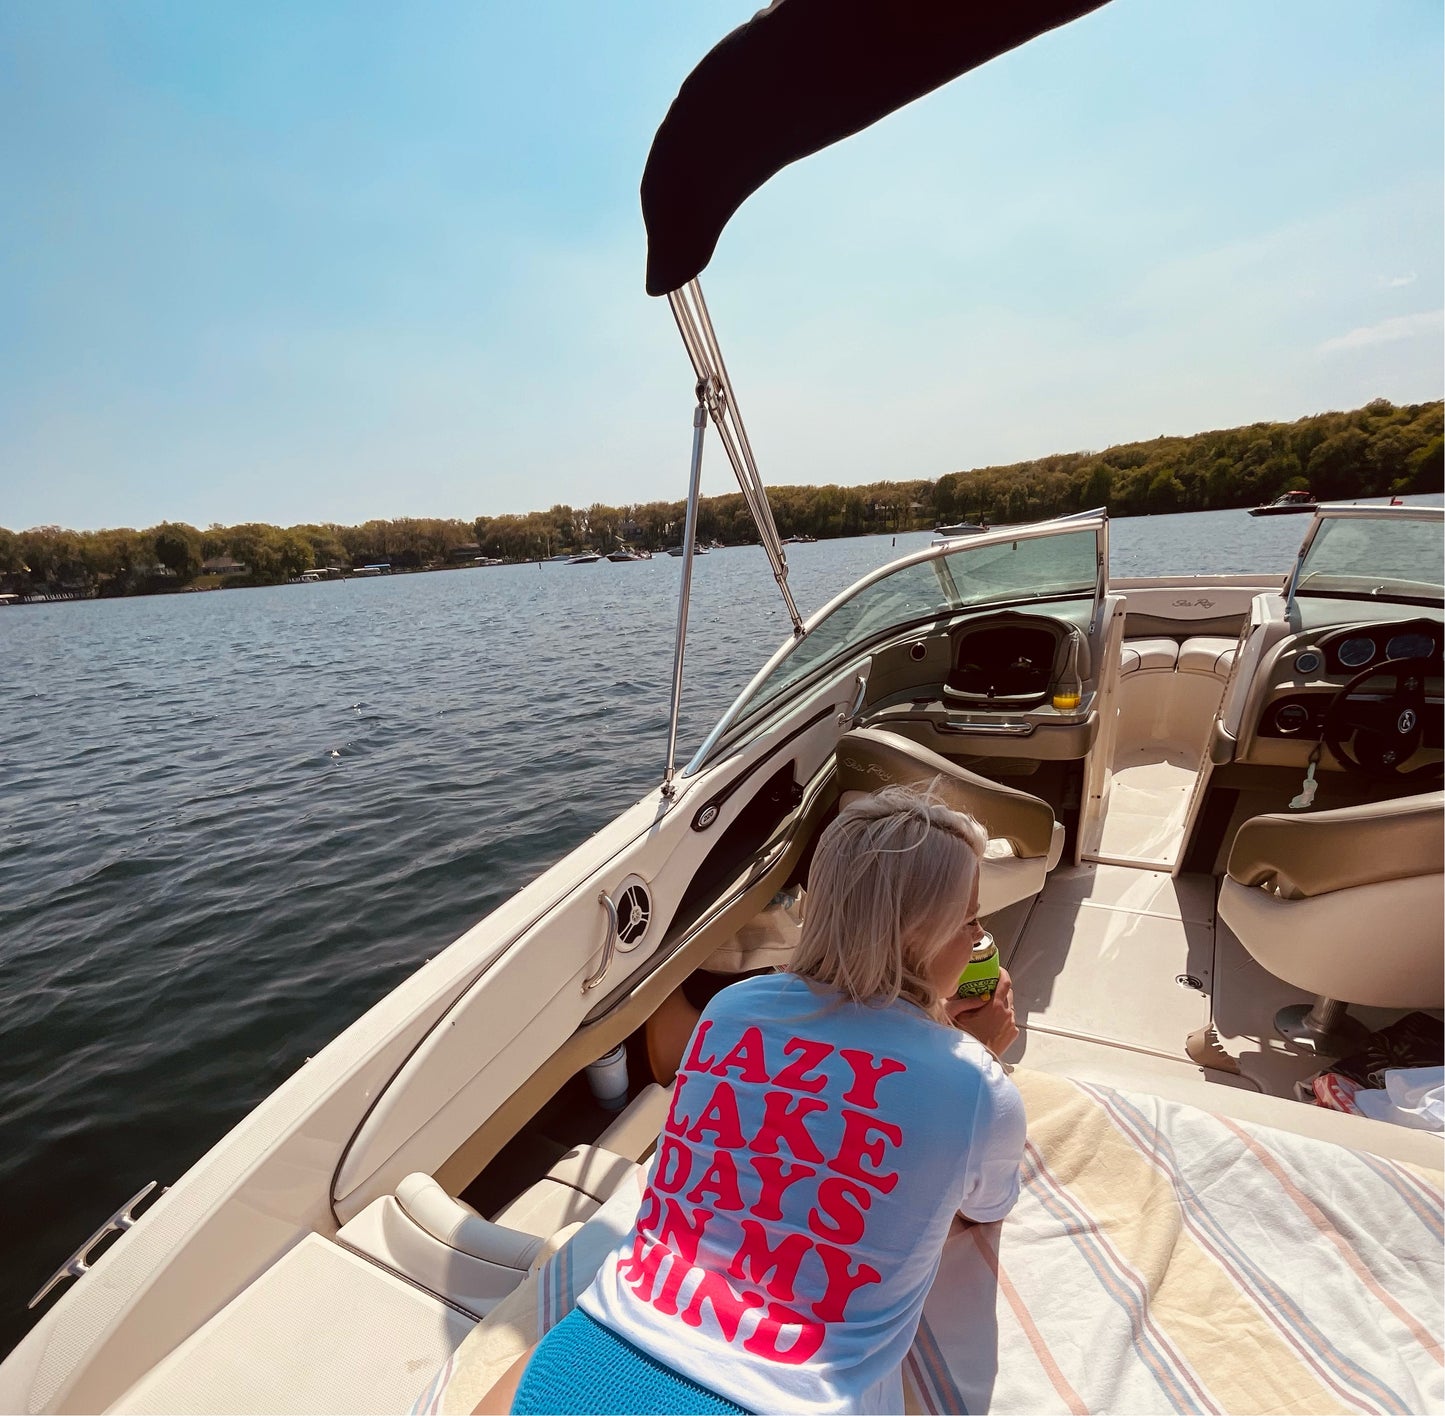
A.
x: 1379, y: 450
x: 241, y: 583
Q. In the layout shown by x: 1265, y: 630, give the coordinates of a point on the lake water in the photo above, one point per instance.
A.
x: 231, y: 822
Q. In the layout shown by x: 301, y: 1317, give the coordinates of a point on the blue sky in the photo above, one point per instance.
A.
x: 328, y: 261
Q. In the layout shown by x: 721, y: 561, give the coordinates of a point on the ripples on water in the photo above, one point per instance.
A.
x: 231, y: 822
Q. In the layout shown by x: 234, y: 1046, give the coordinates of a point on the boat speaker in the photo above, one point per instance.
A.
x: 634, y: 914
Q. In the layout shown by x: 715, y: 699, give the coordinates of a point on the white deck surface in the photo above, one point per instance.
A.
x: 1101, y: 952
x: 1149, y: 793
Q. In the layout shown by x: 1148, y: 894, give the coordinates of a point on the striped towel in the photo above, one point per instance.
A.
x: 1159, y: 1259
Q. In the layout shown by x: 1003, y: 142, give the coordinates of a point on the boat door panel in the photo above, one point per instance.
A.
x: 531, y: 1000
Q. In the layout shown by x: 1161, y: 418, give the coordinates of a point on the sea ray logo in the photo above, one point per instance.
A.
x: 870, y: 769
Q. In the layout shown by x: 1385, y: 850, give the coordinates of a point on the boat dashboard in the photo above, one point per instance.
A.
x: 1304, y: 674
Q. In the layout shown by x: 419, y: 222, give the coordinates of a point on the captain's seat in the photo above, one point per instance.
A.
x: 1346, y: 905
x: 1025, y: 841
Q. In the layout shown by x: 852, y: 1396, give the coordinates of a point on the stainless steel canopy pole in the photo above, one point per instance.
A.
x: 689, y: 309
x: 699, y: 424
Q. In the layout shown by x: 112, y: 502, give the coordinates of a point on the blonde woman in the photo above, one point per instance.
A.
x: 827, y: 1126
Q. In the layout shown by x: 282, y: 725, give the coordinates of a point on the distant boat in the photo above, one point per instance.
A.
x: 697, y: 550
x: 799, y: 540
x: 625, y: 553
x: 1286, y: 503
x: 957, y: 529
x: 586, y: 558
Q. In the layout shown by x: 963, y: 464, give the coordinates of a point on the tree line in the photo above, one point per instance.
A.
x: 1378, y: 450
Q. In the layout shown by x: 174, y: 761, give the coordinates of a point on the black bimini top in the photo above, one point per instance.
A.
x: 798, y: 76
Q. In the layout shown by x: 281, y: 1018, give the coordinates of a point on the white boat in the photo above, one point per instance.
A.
x: 1163, y: 886
x: 957, y: 530
x: 585, y: 558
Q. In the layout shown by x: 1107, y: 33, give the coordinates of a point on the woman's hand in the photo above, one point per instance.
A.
x: 990, y: 1020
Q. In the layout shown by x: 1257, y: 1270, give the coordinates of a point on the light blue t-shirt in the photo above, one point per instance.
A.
x: 814, y: 1157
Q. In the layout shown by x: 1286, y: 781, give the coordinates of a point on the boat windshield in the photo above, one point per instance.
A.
x: 1051, y: 566
x: 1374, y: 558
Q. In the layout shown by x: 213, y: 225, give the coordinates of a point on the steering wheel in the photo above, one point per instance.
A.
x: 1382, y: 733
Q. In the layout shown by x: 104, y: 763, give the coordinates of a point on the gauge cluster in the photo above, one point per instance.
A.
x: 1316, y: 670
x: 1351, y: 651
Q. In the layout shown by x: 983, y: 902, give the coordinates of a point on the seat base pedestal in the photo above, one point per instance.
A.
x: 1322, y: 1027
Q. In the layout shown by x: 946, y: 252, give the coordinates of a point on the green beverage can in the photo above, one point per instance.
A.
x: 980, y: 978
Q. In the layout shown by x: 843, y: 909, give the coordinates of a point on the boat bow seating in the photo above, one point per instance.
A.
x: 1148, y: 655
x: 571, y: 1192
x: 1025, y: 842
x: 446, y: 1247
x: 1202, y: 654
x: 1208, y: 654
x: 390, y: 1299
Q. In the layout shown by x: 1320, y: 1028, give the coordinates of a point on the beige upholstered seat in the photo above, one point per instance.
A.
x: 1025, y: 841
x: 1346, y: 905
x: 1207, y: 654
x: 1147, y: 655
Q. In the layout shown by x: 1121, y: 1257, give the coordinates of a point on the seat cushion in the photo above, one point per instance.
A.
x: 1147, y: 654
x: 321, y: 1330
x: 571, y: 1192
x: 870, y: 758
x: 1207, y: 654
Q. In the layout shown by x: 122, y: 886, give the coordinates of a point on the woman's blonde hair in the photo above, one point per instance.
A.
x: 889, y: 885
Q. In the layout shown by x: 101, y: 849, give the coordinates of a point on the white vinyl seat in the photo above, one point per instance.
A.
x: 446, y: 1247
x: 1025, y: 842
x: 1148, y: 656
x: 571, y: 1192
x: 579, y: 1184
x: 442, y: 1245
x: 1346, y: 905
x: 1207, y: 654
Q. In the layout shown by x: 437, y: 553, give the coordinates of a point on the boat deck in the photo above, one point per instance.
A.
x: 1116, y: 968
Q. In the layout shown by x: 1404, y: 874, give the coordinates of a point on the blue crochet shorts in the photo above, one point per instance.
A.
x: 581, y: 1367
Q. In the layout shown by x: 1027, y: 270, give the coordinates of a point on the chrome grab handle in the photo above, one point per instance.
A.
x: 610, y: 947
x: 959, y: 725
x: 850, y: 718
x: 78, y: 1264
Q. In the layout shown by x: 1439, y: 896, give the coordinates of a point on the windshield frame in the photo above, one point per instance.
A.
x: 1330, y: 512
x: 736, y: 720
